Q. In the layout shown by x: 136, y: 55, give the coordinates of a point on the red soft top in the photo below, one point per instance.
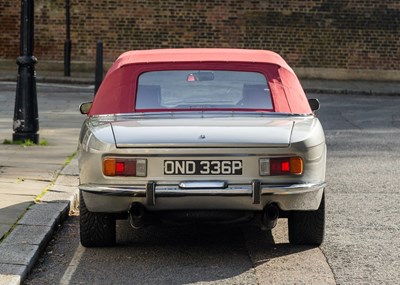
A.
x: 116, y: 93
x: 198, y: 55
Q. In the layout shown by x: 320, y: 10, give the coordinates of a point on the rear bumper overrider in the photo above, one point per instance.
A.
x: 118, y: 198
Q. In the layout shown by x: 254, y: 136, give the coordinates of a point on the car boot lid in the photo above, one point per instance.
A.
x: 206, y: 132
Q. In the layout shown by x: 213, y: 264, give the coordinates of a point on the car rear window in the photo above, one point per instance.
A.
x: 202, y: 89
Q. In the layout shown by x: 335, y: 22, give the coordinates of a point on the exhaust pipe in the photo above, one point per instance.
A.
x: 270, y: 216
x: 137, y: 214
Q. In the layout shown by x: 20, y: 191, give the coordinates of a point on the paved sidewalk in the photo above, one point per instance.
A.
x: 26, y: 172
x: 353, y: 87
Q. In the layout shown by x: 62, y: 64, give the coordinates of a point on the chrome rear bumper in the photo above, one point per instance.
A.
x: 118, y: 198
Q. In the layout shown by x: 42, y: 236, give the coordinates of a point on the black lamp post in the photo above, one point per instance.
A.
x: 26, y: 121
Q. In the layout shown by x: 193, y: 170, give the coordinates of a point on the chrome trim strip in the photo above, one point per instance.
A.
x: 213, y: 192
x: 175, y: 191
x: 190, y: 155
x: 115, y: 190
x: 291, y: 189
x: 199, y: 145
x: 201, y: 114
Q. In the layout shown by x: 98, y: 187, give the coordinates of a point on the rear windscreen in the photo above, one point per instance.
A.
x: 203, y: 89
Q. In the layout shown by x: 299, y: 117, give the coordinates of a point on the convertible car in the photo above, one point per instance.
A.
x: 201, y: 136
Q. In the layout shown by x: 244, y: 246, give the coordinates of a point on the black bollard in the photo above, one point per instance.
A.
x: 99, y: 66
x: 67, y: 43
x: 67, y: 58
x: 26, y: 121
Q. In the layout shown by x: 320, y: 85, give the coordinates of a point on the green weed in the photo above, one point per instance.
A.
x: 26, y: 143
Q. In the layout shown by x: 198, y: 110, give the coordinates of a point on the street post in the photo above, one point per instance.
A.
x: 26, y: 119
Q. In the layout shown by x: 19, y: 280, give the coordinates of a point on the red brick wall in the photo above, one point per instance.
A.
x: 361, y: 34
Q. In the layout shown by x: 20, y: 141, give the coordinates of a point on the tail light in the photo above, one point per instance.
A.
x: 124, y: 167
x: 281, y: 166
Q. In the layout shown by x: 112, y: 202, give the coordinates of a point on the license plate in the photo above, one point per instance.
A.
x: 203, y: 167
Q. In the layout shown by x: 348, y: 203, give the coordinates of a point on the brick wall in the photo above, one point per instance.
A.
x: 352, y: 34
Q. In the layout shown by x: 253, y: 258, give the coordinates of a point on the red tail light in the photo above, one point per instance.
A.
x: 286, y: 166
x: 124, y: 167
x: 280, y: 166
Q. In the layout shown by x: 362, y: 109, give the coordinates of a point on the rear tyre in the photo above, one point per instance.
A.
x: 307, y: 227
x: 96, y: 229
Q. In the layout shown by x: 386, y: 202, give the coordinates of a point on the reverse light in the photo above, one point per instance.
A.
x: 264, y: 166
x: 281, y: 166
x: 124, y: 167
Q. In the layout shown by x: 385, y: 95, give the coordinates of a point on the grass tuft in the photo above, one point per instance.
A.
x: 26, y: 143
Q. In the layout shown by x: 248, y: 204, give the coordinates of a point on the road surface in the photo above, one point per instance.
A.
x: 362, y: 244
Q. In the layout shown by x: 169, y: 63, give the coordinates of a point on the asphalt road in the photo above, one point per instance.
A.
x: 362, y: 244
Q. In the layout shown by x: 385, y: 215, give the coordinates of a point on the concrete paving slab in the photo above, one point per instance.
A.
x: 4, y: 228
x: 10, y: 215
x: 9, y: 180
x: 8, y: 148
x: 31, y: 158
x: 10, y: 210
x: 36, y: 150
x: 23, y: 173
x: 62, y: 188
x: 44, y: 214
x: 19, y: 187
x: 67, y: 180
x: 11, y: 162
x: 8, y: 200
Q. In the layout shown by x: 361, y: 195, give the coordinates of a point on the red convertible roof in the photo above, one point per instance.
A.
x: 199, y: 55
x: 117, y: 93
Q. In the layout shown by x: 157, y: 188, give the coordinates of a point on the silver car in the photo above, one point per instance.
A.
x: 201, y: 136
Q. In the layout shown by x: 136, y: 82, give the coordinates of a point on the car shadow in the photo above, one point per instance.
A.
x: 265, y: 246
x: 169, y: 255
x: 193, y: 253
